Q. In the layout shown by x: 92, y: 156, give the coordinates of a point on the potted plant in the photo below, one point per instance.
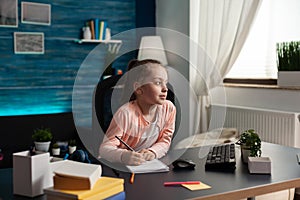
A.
x: 55, y: 149
x: 250, y: 144
x: 42, y: 138
x: 72, y: 146
x: 288, y: 63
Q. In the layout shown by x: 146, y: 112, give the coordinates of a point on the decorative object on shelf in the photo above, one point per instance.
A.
x: 250, y: 144
x: 55, y: 149
x: 42, y: 138
x: 87, y: 35
x: 107, y: 34
x: 72, y: 146
x: 288, y: 63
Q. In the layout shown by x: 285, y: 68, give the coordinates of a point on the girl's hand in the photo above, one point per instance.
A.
x: 148, y: 155
x: 132, y: 158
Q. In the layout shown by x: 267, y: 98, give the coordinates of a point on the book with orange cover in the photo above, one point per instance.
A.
x: 72, y: 175
x: 92, y: 28
x: 105, y: 187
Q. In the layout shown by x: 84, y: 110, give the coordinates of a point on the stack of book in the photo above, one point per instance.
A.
x: 76, y: 180
x: 98, y: 29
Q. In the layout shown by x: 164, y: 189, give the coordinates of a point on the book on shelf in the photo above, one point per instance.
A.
x: 92, y: 28
x: 98, y: 29
x: 96, y: 23
x: 105, y: 187
x: 73, y: 175
x: 152, y: 166
x: 101, y: 26
x: 102, y: 31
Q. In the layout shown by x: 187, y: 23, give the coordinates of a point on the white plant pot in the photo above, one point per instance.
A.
x: 42, y: 146
x: 72, y: 149
x: 55, y: 151
x: 288, y: 78
x: 245, y: 154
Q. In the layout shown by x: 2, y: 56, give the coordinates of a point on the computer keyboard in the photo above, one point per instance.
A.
x: 221, y: 157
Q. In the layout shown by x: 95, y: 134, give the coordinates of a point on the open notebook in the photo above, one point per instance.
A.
x: 149, y: 167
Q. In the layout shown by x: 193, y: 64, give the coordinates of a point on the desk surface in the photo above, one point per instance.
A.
x: 237, y: 185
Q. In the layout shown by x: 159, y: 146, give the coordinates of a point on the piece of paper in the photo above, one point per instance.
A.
x: 201, y: 186
x: 149, y: 167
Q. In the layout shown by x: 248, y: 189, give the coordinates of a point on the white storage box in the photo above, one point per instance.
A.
x: 31, y: 174
x: 259, y: 165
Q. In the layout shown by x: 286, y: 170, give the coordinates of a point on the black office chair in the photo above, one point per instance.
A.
x: 102, y: 100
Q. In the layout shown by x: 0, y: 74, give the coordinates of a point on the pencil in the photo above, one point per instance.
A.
x: 129, y: 147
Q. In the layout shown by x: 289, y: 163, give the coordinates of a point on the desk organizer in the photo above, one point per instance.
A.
x: 31, y: 173
x: 259, y: 165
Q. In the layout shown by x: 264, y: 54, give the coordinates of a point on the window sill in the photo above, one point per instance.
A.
x: 256, y: 83
x: 259, y: 86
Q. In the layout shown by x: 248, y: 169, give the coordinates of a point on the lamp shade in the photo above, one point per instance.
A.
x: 151, y: 47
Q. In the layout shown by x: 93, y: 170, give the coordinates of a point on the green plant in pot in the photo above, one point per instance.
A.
x: 288, y: 63
x: 72, y: 146
x: 250, y: 144
x: 42, y: 138
x: 55, y: 149
x: 288, y: 56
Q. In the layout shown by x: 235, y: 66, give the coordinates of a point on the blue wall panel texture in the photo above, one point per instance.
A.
x: 43, y: 83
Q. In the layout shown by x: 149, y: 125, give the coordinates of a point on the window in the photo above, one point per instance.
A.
x: 277, y: 21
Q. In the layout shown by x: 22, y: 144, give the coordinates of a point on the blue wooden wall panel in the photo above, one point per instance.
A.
x: 35, y: 84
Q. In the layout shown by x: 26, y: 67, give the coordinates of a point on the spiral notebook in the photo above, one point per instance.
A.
x: 152, y: 166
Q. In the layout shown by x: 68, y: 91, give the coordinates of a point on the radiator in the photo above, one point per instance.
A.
x: 273, y: 126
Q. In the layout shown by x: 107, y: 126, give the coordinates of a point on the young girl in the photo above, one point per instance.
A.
x: 147, y: 122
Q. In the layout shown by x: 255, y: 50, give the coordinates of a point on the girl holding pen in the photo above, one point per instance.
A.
x: 146, y: 122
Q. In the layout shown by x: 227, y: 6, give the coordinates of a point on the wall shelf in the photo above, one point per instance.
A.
x: 99, y: 41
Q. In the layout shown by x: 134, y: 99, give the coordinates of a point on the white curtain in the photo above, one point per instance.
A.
x: 223, y: 28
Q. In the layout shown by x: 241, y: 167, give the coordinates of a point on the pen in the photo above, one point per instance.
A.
x: 132, y: 178
x: 124, y: 143
x: 181, y: 182
x: 129, y: 147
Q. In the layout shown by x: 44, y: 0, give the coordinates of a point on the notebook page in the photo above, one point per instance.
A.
x: 149, y: 167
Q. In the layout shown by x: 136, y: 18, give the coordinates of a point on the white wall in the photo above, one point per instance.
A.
x: 277, y: 99
x: 174, y: 15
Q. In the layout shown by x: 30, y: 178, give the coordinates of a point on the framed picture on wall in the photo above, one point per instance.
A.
x: 8, y: 13
x: 29, y: 43
x: 35, y: 13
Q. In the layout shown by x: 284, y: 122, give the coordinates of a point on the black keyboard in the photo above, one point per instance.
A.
x: 221, y: 157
